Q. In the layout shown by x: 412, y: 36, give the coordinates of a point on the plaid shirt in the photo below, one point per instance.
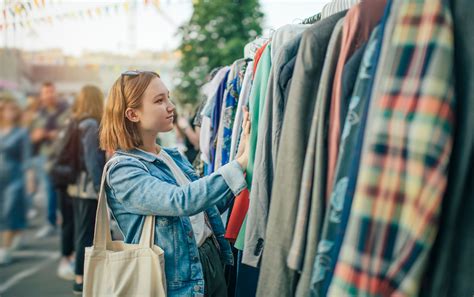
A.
x: 402, y: 178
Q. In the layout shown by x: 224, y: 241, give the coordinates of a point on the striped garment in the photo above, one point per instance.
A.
x: 336, y: 6
x: 403, y: 173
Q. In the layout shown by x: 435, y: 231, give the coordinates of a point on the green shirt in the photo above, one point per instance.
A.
x: 256, y: 101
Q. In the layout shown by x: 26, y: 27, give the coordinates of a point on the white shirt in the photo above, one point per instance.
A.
x: 201, y: 229
x: 209, y: 90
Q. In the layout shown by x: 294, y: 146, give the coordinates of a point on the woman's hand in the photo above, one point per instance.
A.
x: 244, y: 146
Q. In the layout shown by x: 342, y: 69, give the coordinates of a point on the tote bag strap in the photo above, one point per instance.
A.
x: 102, y: 237
x: 102, y: 226
x: 147, y: 238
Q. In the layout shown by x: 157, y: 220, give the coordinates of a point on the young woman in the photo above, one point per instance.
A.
x: 146, y: 179
x: 15, y: 176
x: 87, y: 112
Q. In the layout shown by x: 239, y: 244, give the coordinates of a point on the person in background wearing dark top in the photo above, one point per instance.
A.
x: 29, y: 115
x: 190, y: 133
x: 87, y: 111
x: 16, y: 176
x: 45, y: 129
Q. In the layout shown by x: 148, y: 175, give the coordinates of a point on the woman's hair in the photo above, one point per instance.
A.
x: 117, y: 131
x: 89, y: 104
x: 8, y: 100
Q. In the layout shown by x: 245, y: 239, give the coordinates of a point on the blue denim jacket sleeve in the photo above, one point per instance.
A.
x: 142, y: 193
x: 94, y: 157
x: 26, y: 150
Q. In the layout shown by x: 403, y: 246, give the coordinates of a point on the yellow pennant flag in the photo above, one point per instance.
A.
x: 18, y: 9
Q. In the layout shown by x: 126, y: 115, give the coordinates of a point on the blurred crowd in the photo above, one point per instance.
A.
x: 50, y: 170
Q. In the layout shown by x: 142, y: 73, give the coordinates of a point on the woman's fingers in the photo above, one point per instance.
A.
x: 245, y: 117
x: 246, y: 121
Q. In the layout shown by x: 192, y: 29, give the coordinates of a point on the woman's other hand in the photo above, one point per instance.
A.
x: 244, y: 146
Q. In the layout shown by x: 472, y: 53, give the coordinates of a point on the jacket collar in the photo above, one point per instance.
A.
x: 149, y: 157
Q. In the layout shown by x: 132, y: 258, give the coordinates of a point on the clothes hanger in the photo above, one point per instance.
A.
x: 251, y: 48
x: 312, y: 20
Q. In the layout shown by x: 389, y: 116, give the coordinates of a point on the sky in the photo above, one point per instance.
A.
x: 122, y: 31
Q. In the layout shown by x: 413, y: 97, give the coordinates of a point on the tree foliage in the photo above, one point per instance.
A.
x: 214, y: 36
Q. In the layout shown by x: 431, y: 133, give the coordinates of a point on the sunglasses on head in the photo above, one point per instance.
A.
x: 132, y: 73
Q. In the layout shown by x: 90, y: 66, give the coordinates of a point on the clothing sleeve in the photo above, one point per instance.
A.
x: 144, y: 194
x: 94, y: 157
x: 223, y: 204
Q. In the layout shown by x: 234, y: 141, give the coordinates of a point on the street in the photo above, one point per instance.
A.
x: 33, y: 271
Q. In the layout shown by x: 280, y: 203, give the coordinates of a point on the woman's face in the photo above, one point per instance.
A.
x: 9, y: 113
x: 157, y: 111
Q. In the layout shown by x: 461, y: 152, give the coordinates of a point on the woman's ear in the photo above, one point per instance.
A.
x: 132, y: 115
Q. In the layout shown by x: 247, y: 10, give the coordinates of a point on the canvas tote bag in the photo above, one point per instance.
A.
x: 114, y: 268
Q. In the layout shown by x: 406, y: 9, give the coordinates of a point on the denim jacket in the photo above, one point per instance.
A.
x: 139, y: 184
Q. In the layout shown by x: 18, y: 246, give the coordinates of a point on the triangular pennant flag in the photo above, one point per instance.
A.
x: 23, y: 8
x: 18, y: 9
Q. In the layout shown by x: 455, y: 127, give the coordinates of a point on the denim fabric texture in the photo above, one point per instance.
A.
x: 139, y: 184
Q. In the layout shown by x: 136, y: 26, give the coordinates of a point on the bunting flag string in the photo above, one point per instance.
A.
x: 26, y: 14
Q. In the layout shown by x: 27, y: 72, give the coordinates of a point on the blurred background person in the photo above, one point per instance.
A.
x: 50, y: 120
x: 29, y: 115
x: 30, y: 112
x: 87, y: 112
x: 16, y: 176
x: 189, y: 134
x: 45, y: 128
